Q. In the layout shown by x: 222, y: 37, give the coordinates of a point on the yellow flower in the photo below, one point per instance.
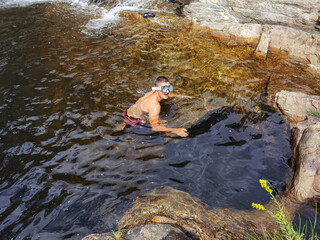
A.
x: 263, y: 183
x: 279, y: 216
x: 267, y: 188
x: 258, y: 206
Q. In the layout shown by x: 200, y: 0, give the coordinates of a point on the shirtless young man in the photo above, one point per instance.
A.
x: 149, y: 105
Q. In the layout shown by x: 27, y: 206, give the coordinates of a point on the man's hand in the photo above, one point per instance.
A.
x: 182, y: 132
x: 159, y: 125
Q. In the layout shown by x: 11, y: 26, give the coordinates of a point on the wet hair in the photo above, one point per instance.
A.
x: 161, y: 79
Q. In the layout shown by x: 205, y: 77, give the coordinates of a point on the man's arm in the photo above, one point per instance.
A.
x: 154, y: 122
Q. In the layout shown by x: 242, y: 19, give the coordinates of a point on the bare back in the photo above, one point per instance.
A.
x: 141, y: 108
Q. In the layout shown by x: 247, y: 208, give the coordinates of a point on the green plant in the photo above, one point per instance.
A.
x: 118, y: 234
x: 286, y: 228
x: 315, y: 113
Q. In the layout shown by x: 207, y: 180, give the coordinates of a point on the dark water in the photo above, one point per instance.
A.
x: 63, y: 174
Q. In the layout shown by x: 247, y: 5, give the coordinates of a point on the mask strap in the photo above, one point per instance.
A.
x: 156, y: 88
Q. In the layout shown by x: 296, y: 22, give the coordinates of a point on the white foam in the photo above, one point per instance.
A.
x: 24, y: 3
x: 102, y: 16
x: 109, y: 17
x: 20, y: 3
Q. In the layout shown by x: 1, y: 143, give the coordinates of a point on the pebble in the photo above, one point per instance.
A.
x: 148, y: 15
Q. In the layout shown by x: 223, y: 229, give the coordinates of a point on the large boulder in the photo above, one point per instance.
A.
x: 170, y: 206
x: 297, y: 106
x: 305, y: 141
x: 291, y: 26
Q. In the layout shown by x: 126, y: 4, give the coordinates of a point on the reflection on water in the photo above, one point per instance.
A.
x: 63, y: 173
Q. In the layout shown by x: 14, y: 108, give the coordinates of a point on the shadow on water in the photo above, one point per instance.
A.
x: 226, y: 151
x: 63, y: 174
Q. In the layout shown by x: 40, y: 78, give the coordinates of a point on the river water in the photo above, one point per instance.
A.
x: 67, y: 71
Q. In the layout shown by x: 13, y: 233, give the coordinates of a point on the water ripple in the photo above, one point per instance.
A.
x: 64, y: 173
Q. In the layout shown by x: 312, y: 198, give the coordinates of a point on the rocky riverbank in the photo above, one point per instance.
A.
x: 303, y: 111
x: 286, y: 25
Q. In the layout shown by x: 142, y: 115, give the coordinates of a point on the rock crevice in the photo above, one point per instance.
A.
x: 305, y: 143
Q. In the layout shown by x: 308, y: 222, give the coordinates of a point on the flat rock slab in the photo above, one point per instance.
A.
x: 156, y: 232
x: 145, y: 232
x: 100, y: 236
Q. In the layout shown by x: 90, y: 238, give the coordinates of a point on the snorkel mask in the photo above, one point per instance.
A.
x: 164, y: 88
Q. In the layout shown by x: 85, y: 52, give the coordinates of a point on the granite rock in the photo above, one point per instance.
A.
x: 290, y: 26
x: 297, y: 106
x: 305, y: 185
x: 156, y: 232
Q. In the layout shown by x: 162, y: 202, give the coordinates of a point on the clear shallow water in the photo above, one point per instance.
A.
x: 64, y: 175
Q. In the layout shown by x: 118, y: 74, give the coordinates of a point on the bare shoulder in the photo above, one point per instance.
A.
x: 150, y: 104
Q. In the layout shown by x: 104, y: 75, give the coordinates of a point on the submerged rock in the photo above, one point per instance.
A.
x: 148, y: 15
x: 287, y: 25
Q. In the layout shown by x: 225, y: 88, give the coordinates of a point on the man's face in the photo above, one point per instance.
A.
x: 164, y: 95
